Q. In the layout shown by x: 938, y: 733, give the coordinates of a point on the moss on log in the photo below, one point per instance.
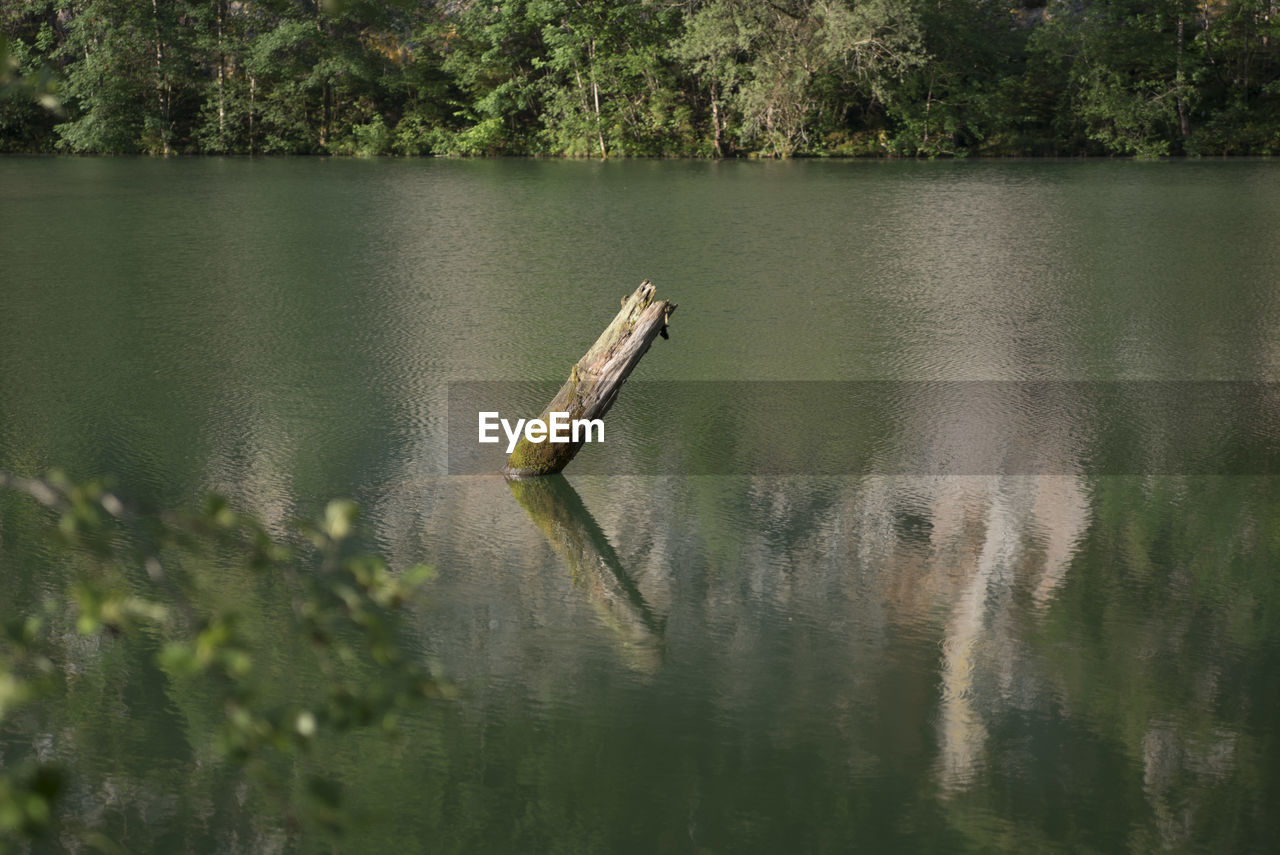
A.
x: 595, y: 380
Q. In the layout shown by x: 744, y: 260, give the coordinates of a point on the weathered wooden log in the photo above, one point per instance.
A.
x: 595, y: 380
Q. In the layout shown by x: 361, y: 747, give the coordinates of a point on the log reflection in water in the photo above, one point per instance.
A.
x: 594, y: 567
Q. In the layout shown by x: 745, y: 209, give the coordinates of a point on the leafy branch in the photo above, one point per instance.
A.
x: 162, y: 577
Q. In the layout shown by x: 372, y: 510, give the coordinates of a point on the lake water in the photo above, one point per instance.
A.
x: 726, y: 637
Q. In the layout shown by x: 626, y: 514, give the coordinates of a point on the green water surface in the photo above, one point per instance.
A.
x: 742, y: 662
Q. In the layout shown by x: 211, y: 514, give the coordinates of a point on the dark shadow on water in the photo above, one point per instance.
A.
x: 558, y: 511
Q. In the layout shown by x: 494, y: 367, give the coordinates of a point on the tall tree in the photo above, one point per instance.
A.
x: 606, y: 85
x: 789, y: 69
x: 1124, y: 68
x: 960, y: 100
x: 127, y: 73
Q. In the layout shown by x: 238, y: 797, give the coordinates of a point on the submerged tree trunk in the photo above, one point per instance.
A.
x: 594, y: 382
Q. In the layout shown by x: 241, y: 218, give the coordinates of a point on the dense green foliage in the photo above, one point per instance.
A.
x: 179, y: 597
x: 609, y: 77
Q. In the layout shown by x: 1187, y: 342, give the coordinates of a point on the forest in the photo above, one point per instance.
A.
x: 602, y: 78
x: 646, y: 78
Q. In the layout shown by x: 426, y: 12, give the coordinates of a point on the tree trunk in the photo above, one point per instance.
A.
x: 162, y: 83
x: 595, y: 95
x: 252, y: 90
x: 596, y: 379
x: 1184, y: 124
x: 715, y: 122
x: 324, y: 114
x: 222, y: 73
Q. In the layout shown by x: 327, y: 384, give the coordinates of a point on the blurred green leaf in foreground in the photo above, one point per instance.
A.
x: 189, y: 589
